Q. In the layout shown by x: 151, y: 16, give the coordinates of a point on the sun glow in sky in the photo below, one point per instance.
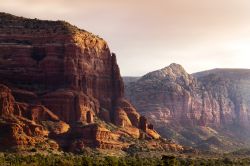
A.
x: 150, y: 34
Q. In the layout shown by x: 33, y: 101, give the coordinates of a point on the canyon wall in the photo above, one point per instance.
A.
x: 70, y: 74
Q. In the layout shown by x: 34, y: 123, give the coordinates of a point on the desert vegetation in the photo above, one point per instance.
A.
x: 68, y: 159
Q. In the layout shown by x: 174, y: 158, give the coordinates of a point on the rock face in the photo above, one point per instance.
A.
x: 45, y: 56
x: 175, y: 100
x: 64, y: 80
x: 6, y: 102
x: 127, y: 80
x: 20, y: 122
x: 171, y: 93
x: 100, y: 137
x: 231, y: 87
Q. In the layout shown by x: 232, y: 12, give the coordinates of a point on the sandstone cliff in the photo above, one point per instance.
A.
x: 63, y: 84
x: 188, y: 107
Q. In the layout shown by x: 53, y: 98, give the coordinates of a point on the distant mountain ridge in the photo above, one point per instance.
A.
x: 188, y: 107
x: 129, y: 79
x: 226, y: 72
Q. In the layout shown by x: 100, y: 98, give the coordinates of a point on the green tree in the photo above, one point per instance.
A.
x: 170, y: 161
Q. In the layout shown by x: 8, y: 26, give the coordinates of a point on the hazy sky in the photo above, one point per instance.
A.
x: 150, y: 34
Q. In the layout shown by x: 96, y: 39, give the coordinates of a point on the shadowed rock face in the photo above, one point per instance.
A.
x: 230, y: 87
x: 7, y: 102
x: 57, y: 72
x: 233, y: 84
x: 173, y: 99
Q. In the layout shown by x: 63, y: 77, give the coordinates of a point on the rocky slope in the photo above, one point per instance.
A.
x: 61, y: 86
x: 233, y: 85
x: 127, y: 80
x: 205, y: 109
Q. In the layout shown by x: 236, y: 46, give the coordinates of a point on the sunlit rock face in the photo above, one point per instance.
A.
x: 20, y: 123
x: 61, y: 80
x: 60, y: 64
x: 173, y: 99
x: 44, y: 56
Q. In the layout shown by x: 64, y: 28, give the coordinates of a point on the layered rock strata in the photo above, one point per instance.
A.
x: 61, y: 74
x: 173, y: 99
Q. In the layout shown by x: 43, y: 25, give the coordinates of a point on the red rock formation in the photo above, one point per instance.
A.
x: 121, y: 118
x: 20, y: 122
x: 152, y: 134
x: 71, y: 106
x: 98, y: 137
x: 89, y: 117
x: 59, y: 73
x: 104, y: 115
x: 75, y: 61
x: 143, y: 124
x: 150, y: 126
x: 130, y: 111
x: 6, y: 102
